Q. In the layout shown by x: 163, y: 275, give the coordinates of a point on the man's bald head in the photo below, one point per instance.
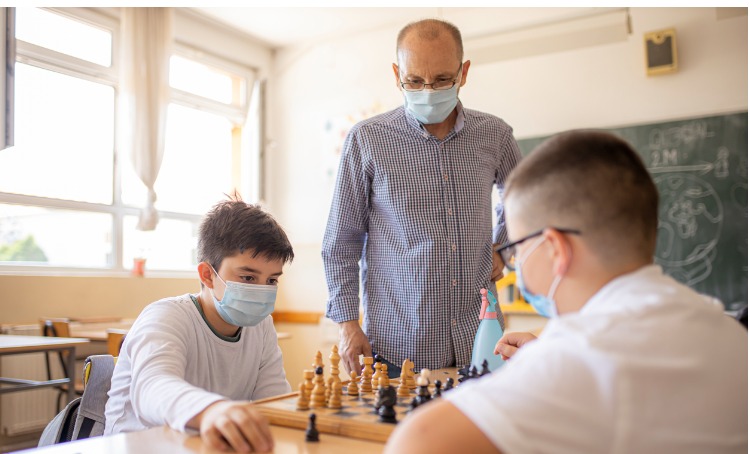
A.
x: 430, y: 30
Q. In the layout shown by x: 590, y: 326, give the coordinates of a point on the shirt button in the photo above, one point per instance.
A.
x: 453, y: 322
x: 450, y: 211
x: 453, y: 247
x: 445, y: 176
x: 454, y: 282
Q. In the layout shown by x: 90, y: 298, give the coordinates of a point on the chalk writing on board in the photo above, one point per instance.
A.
x: 690, y: 217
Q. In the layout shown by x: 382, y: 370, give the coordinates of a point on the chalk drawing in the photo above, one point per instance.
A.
x: 689, y: 226
x: 721, y: 166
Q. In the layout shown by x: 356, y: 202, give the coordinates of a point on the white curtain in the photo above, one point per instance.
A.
x: 146, y: 45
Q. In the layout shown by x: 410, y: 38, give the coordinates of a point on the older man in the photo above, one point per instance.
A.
x: 412, y: 206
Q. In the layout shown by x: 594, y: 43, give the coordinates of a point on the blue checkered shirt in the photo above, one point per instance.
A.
x: 413, y: 214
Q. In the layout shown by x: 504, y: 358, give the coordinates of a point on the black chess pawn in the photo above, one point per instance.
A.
x: 448, y: 384
x: 386, y: 401
x: 423, y: 394
x: 463, y: 373
x: 437, y: 393
x: 473, y: 372
x: 414, y: 403
x: 485, y: 368
x: 312, y: 434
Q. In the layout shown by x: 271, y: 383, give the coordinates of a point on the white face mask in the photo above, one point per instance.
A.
x: 431, y: 106
x: 245, y: 304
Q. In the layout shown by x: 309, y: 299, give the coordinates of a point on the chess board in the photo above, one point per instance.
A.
x: 356, y: 418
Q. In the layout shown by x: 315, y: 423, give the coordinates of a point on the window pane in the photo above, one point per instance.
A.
x: 67, y: 36
x: 196, y: 170
x: 64, y: 138
x: 172, y: 246
x: 32, y: 235
x: 202, y: 80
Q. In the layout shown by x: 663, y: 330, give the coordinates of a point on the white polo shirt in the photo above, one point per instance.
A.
x: 172, y: 366
x: 646, y: 366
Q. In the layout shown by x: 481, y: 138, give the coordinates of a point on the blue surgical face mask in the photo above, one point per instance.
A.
x: 544, y: 305
x: 431, y: 106
x: 245, y: 304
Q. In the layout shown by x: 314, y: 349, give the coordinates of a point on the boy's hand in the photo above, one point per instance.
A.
x: 234, y: 425
x: 509, y: 344
x: 497, y: 267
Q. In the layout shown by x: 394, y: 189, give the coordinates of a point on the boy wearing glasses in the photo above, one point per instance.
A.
x: 630, y: 361
x: 196, y: 361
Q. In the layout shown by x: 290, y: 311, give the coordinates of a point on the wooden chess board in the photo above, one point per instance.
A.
x: 356, y: 418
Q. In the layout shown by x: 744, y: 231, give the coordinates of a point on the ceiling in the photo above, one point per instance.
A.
x: 288, y: 26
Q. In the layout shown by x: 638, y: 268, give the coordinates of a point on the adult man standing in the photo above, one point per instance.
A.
x: 412, y: 204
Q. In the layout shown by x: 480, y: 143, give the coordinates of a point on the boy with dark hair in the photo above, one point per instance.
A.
x: 630, y: 361
x: 197, y: 361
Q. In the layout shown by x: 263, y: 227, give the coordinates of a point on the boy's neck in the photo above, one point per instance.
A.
x: 212, y: 315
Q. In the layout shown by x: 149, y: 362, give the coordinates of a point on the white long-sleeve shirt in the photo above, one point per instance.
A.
x: 173, y: 365
x: 646, y: 366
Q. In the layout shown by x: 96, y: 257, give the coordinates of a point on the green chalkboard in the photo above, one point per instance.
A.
x: 699, y: 166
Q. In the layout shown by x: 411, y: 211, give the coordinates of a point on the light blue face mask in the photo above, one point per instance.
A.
x: 431, y: 106
x: 544, y: 305
x: 245, y: 304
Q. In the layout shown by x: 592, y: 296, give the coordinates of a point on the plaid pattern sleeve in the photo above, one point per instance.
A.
x: 411, y: 220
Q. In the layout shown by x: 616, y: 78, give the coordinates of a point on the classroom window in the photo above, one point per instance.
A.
x: 69, y: 200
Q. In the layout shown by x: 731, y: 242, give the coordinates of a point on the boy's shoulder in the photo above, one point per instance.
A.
x: 172, y: 311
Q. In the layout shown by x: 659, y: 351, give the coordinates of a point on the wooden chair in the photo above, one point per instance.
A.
x: 60, y: 327
x: 115, y: 338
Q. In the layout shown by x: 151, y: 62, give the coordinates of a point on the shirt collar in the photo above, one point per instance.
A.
x: 460, y: 119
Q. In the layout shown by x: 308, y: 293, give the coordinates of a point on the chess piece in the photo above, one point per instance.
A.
x: 318, y: 361
x: 303, y: 402
x: 365, y: 383
x: 437, y: 393
x: 351, y: 388
x: 318, y: 396
x: 410, y: 382
x: 384, y: 380
x: 485, y: 368
x: 309, y: 385
x: 423, y: 382
x: 329, y: 388
x: 463, y: 373
x: 448, y: 384
x: 403, y: 388
x: 376, y: 375
x: 335, y: 400
x: 414, y: 403
x: 386, y: 401
x: 335, y: 358
x: 312, y: 434
x: 473, y: 372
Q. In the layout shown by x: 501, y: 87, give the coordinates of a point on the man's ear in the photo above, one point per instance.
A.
x: 398, y: 77
x: 465, y: 71
x: 560, y: 250
x: 206, y: 274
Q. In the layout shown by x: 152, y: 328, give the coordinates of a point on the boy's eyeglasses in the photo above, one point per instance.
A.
x: 508, y: 251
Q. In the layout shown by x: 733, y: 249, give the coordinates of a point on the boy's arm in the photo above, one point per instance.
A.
x: 436, y: 428
x: 271, y: 376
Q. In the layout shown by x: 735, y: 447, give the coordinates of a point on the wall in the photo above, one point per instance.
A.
x: 316, y: 91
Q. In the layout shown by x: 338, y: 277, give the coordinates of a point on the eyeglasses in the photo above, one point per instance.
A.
x: 508, y: 251
x: 445, y: 84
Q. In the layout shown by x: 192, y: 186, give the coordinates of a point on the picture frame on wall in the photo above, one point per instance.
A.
x: 661, y: 51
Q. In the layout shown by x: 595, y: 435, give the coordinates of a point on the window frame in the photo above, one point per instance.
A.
x: 49, y: 59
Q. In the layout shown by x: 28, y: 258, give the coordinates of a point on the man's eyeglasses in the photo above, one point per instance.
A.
x: 445, y: 84
x: 508, y: 251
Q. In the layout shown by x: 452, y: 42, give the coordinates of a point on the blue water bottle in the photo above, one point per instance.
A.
x: 488, y: 333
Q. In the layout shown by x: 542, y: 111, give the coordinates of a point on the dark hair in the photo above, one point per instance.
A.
x: 595, y: 182
x: 232, y: 227
x: 430, y: 29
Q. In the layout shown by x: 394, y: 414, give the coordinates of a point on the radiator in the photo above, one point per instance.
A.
x: 26, y: 412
